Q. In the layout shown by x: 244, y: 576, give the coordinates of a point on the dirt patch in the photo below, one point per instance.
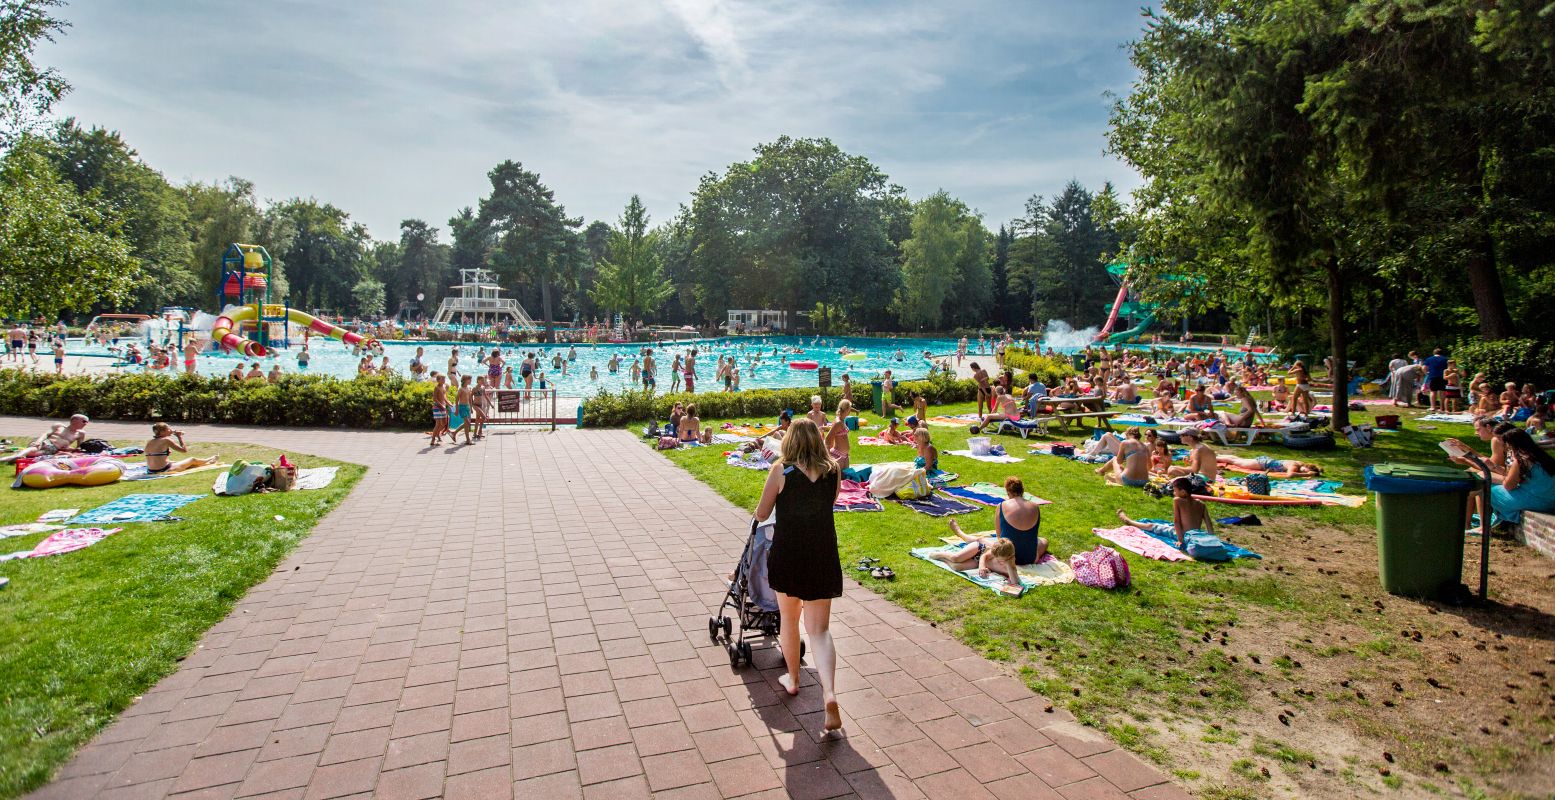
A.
x: 1351, y: 690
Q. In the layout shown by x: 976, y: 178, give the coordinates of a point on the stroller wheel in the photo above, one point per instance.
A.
x: 745, y: 652
x: 727, y: 626
x: 734, y: 655
x: 712, y: 629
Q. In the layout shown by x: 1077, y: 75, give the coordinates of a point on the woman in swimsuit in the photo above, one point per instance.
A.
x: 1019, y: 519
x: 164, y: 440
x: 1247, y: 415
x: 1131, y: 466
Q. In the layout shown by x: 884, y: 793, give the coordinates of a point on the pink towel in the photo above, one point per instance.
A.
x: 64, y: 542
x: 1135, y: 540
x: 877, y: 441
x: 855, y: 496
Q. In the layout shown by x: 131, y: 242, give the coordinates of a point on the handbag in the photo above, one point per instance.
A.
x: 917, y: 487
x: 1101, y: 568
x: 282, y: 478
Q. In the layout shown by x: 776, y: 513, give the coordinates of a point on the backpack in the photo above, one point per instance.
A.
x: 668, y: 443
x: 95, y: 446
x: 1101, y: 568
x: 1257, y: 484
x: 1360, y: 435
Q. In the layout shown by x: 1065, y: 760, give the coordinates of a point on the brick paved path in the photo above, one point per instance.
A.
x: 528, y: 617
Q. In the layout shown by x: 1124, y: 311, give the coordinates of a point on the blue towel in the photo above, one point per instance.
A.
x: 136, y: 508
x: 1232, y: 550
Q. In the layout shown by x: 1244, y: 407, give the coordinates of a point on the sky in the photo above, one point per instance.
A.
x: 393, y: 110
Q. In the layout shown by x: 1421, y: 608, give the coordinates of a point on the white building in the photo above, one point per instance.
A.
x: 751, y: 320
x: 480, y: 302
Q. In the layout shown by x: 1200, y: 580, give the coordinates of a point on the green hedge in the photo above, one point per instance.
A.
x: 301, y: 400
x: 1519, y: 360
x: 1048, y: 370
x: 608, y: 409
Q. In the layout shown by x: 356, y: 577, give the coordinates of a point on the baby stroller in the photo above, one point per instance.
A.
x: 752, y: 597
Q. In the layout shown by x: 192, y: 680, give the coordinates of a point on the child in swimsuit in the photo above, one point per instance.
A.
x: 1189, y: 515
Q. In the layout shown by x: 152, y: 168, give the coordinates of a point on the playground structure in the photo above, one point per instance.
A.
x: 1141, y: 315
x: 480, y: 298
x: 244, y: 297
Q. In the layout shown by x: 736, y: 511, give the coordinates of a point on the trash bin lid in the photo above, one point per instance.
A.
x: 1418, y: 479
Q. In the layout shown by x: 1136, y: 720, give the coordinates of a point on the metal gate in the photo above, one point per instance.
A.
x: 524, y: 407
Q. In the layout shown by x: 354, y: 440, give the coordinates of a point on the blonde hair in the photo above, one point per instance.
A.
x: 803, y: 448
x: 1003, y: 549
x: 161, y: 429
x: 844, y: 406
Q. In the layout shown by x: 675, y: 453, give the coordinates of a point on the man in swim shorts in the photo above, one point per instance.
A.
x: 439, y: 408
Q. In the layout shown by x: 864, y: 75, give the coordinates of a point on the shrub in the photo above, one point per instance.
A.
x: 1518, y: 360
x: 1048, y: 370
x: 607, y: 409
x: 300, y: 400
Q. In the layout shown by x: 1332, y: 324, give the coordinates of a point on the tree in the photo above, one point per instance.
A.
x: 27, y: 91
x: 155, y: 217
x: 928, y: 258
x: 220, y: 214
x: 1057, y: 258
x: 423, y: 264
x: 326, y: 257
x: 998, y: 269
x: 367, y: 298
x: 631, y: 277
x: 534, y: 237
x: 59, y: 250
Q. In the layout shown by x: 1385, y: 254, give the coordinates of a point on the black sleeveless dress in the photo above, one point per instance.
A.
x: 803, y: 562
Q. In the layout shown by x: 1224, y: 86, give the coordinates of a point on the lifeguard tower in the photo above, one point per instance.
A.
x: 245, y: 281
x: 480, y: 299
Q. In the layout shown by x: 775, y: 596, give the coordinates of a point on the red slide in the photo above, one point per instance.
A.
x: 1112, y: 319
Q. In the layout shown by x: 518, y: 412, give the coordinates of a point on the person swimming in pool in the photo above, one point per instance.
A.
x: 165, y: 440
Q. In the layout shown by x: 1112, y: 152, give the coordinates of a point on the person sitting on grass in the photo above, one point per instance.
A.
x: 1189, y: 515
x: 1164, y: 407
x: 690, y: 429
x: 1019, y: 521
x: 894, y: 433
x: 1275, y: 467
x: 1200, y: 406
x: 1131, y: 465
x: 1511, y: 399
x: 1529, y: 484
x: 1201, y: 457
x: 1281, y: 400
x: 56, y: 441
x: 928, y: 454
x: 837, y: 441
x: 1124, y: 391
x: 164, y: 440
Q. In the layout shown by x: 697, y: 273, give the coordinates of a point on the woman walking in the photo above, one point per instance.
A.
x: 803, y: 566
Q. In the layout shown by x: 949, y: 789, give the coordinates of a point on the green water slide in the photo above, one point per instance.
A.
x: 1145, y: 313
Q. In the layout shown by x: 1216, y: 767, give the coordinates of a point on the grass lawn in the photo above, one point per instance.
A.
x: 84, y: 633
x: 1245, y: 679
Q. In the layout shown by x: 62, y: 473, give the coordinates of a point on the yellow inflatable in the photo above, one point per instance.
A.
x: 77, y: 471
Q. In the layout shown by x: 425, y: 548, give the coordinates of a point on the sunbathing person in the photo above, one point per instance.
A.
x: 837, y: 441
x: 1247, y: 415
x: 1160, y: 457
x: 1164, y: 407
x: 1276, y: 467
x: 928, y: 454
x: 690, y: 428
x: 54, y: 442
x: 1003, y: 407
x: 894, y: 434
x: 164, y: 440
x: 1019, y: 521
x: 1124, y: 391
x: 1189, y: 515
x: 1131, y: 466
x: 1200, y: 406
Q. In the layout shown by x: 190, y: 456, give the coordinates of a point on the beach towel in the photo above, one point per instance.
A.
x: 64, y: 542
x: 731, y: 438
x: 987, y: 494
x: 756, y: 462
x: 749, y: 429
x: 136, y: 508
x: 876, y: 441
x: 26, y: 529
x: 1463, y: 418
x: 956, y: 421
x: 936, y: 506
x: 1135, y: 540
x: 992, y: 459
x: 139, y: 472
x: 855, y: 496
x: 1046, y: 449
x: 58, y: 514
x: 1047, y: 572
x: 315, y: 478
x: 1316, y: 489
x: 1162, y: 531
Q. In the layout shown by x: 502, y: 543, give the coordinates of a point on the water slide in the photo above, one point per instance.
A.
x: 1112, y: 318
x: 223, y: 332
x: 1124, y: 336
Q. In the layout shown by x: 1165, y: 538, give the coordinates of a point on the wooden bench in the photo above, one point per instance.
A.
x: 1103, y: 418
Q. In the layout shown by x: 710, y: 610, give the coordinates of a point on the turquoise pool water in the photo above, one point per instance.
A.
x: 764, y: 361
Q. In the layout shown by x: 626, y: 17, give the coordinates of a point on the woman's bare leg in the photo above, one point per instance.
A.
x: 788, y: 640
x: 817, y: 622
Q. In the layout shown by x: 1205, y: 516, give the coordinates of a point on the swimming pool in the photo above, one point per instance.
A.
x: 764, y: 360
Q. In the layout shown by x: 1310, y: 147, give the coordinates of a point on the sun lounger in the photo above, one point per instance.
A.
x: 1025, y: 427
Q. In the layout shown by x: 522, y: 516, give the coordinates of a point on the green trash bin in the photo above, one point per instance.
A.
x: 877, y: 397
x: 1420, y: 518
x: 1078, y: 360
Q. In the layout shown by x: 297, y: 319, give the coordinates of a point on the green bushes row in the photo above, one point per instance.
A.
x: 301, y: 400
x: 1048, y: 370
x: 608, y: 409
x: 1518, y: 360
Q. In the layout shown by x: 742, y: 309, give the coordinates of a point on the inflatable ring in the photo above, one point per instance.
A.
x: 1309, y: 441
x: 78, y: 471
x: 803, y: 365
x: 856, y: 356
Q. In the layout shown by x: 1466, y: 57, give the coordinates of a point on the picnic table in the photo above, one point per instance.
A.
x: 1047, y: 406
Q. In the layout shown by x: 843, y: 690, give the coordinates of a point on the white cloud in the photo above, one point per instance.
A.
x: 391, y: 110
